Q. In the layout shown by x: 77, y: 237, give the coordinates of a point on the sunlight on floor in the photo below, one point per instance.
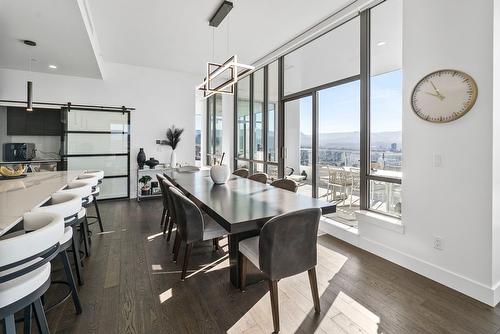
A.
x: 164, y: 296
x: 156, y: 267
x: 154, y: 236
x: 210, y: 266
x: 353, y: 315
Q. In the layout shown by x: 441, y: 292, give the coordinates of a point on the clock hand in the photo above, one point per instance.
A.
x: 438, y: 95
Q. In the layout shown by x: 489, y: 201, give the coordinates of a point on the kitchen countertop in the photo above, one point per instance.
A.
x: 18, y: 196
x: 28, y: 162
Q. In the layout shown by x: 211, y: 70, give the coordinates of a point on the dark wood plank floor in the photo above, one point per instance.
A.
x: 132, y: 286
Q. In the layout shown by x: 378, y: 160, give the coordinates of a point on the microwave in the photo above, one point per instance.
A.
x: 18, y: 151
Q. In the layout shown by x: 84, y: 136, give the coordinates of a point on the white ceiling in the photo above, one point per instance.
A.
x: 175, y: 34
x: 161, y: 34
x: 59, y: 30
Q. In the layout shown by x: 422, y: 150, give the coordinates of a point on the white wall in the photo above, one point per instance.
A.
x: 161, y: 98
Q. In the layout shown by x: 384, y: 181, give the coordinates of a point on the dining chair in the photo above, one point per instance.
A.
x: 259, y: 177
x: 25, y: 271
x: 164, y: 214
x: 241, y: 172
x: 192, y: 226
x: 287, y: 184
x: 68, y: 206
x: 171, y: 218
x: 286, y: 246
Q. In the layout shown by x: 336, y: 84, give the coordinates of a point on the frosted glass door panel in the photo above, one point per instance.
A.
x: 97, y: 143
x: 111, y: 165
x: 84, y: 120
x: 114, y: 187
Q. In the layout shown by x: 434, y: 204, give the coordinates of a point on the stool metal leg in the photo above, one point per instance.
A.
x: 9, y: 325
x: 76, y: 257
x: 71, y: 281
x: 28, y: 313
x: 98, y: 215
x: 40, y: 318
x: 85, y: 229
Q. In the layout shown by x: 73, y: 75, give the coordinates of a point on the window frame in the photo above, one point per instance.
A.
x: 364, y: 78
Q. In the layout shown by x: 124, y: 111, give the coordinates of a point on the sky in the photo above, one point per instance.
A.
x: 339, y: 106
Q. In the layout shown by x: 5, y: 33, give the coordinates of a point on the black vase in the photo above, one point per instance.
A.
x: 152, y: 162
x: 141, y: 158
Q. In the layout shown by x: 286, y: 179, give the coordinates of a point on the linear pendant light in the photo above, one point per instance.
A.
x: 231, y: 66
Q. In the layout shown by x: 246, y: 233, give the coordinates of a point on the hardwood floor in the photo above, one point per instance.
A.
x: 132, y: 286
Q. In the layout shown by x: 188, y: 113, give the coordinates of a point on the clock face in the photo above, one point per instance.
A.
x: 444, y: 96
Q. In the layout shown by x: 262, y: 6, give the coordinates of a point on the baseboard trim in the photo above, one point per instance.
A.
x: 471, y: 288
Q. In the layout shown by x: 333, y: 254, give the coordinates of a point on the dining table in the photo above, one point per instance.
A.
x: 241, y: 206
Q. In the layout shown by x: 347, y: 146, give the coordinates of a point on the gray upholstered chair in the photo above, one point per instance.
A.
x: 286, y: 184
x: 170, y: 218
x: 192, y: 226
x: 242, y: 172
x: 286, y: 246
x: 259, y: 177
x: 164, y: 214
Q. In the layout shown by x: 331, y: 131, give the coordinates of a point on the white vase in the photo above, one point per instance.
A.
x: 173, y: 159
x: 219, y: 173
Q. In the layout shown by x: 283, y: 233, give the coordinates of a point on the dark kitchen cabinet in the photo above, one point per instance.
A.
x: 40, y: 122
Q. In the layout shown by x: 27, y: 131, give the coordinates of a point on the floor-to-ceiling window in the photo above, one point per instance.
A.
x: 256, y: 121
x: 385, y: 108
x: 332, y: 120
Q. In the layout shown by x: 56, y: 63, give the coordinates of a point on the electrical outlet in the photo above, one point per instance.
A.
x: 438, y: 243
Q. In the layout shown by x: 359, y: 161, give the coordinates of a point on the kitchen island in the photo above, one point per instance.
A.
x: 18, y: 196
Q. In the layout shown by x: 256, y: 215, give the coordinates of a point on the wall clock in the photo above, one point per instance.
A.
x: 444, y: 96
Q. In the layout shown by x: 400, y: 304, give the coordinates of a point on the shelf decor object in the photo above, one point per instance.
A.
x: 173, y: 139
x: 141, y: 158
x: 444, y: 96
x: 151, y: 163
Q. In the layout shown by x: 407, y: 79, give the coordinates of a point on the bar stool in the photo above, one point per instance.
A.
x: 84, y: 190
x: 67, y: 206
x: 100, y: 176
x: 25, y: 271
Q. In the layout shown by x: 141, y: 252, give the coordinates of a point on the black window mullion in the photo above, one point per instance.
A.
x: 265, y: 114
x: 251, y: 130
x: 365, y: 109
x: 314, y: 155
x: 281, y: 123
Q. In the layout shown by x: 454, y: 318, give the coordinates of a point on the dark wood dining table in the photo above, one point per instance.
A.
x: 241, y: 206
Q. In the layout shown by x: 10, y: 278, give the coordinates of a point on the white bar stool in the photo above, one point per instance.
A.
x: 25, y: 271
x: 84, y: 190
x: 68, y: 206
x: 99, y: 174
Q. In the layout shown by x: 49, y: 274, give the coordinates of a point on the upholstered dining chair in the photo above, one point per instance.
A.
x: 171, y: 218
x: 164, y: 214
x: 286, y: 246
x: 241, y: 172
x: 287, y: 184
x: 192, y: 226
x: 259, y: 177
x: 25, y: 271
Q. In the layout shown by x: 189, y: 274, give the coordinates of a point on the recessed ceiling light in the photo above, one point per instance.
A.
x: 53, y: 67
x: 381, y: 43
